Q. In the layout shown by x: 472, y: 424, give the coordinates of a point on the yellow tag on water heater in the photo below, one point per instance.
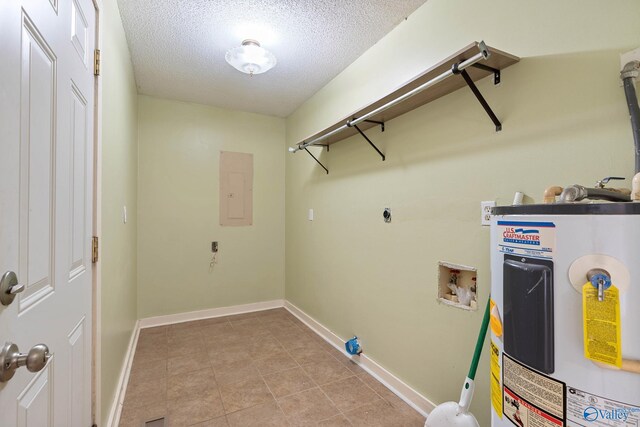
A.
x: 601, y: 323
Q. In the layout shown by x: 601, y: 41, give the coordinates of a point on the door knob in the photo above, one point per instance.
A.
x: 11, y: 359
x: 9, y: 287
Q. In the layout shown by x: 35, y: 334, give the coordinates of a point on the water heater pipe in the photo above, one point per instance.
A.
x: 551, y: 193
x: 630, y: 365
x: 628, y: 75
x: 576, y: 193
x: 635, y: 188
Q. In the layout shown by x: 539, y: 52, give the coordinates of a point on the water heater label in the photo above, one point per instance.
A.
x: 531, y: 399
x: 590, y: 410
x: 601, y: 324
x: 496, y: 388
x: 532, y: 239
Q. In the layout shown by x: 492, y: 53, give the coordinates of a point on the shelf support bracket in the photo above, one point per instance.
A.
x: 368, y: 140
x: 378, y: 123
x: 496, y: 72
x: 478, y: 95
x: 314, y: 158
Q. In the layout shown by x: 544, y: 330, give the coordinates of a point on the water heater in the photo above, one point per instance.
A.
x: 565, y: 315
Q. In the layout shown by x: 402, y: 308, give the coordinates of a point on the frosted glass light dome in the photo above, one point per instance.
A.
x: 250, y: 58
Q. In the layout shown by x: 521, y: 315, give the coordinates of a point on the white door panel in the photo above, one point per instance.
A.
x: 46, y: 191
x: 35, y: 402
x: 78, y: 180
x: 37, y: 164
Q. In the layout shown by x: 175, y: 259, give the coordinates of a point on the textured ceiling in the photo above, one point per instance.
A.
x: 178, y: 46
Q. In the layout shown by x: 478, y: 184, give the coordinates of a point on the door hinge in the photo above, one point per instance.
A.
x: 96, y: 62
x: 94, y: 249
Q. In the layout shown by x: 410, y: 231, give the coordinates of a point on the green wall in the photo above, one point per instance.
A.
x: 564, y: 119
x: 179, y: 145
x: 118, y: 250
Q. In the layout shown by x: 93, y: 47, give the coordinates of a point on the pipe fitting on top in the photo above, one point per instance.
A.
x: 577, y: 193
x: 635, y: 188
x: 630, y: 70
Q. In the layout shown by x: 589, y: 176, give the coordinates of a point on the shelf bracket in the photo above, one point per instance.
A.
x: 314, y: 158
x: 496, y: 73
x: 478, y: 95
x: 378, y: 123
x: 367, y: 139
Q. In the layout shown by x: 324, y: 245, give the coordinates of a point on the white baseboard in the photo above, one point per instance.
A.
x: 123, y: 379
x: 393, y: 383
x: 170, y: 319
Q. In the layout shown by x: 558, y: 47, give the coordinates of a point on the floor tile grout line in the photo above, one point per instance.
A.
x: 332, y: 402
x: 274, y: 397
x: 312, y: 380
x: 318, y: 386
x: 252, y: 362
x: 218, y: 389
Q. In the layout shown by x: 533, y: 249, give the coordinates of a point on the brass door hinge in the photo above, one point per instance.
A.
x: 96, y: 62
x: 94, y: 249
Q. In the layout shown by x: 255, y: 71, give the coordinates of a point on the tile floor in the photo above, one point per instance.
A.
x: 256, y: 369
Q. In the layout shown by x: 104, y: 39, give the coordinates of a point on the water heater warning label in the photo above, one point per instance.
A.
x: 496, y: 389
x: 530, y: 398
x: 523, y: 414
x: 532, y: 239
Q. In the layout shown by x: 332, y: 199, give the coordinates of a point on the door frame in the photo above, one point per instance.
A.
x: 96, y: 359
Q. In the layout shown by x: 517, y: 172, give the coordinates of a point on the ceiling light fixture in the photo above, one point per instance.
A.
x: 250, y: 58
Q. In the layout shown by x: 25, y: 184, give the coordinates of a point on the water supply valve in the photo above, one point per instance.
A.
x: 600, y: 279
x: 605, y: 181
x: 353, y: 346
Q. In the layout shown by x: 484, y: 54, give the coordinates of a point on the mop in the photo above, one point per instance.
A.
x: 452, y: 414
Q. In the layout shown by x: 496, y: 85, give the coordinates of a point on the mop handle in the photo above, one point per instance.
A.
x: 480, y: 342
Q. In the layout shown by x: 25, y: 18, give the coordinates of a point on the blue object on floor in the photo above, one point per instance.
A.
x: 353, y: 346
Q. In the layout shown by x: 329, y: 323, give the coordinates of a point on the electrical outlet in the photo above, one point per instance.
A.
x: 485, y: 212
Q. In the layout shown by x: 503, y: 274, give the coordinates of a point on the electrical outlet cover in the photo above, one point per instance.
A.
x: 485, y: 211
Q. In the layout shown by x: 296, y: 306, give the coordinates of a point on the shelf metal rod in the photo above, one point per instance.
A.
x: 483, y: 54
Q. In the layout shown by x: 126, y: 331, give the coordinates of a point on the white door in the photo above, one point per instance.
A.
x: 46, y: 190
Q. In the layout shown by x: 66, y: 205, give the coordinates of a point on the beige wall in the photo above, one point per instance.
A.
x: 119, y: 187
x: 179, y: 147
x: 565, y: 121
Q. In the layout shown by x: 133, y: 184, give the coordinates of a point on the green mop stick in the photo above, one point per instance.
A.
x: 480, y: 343
x: 467, y: 390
